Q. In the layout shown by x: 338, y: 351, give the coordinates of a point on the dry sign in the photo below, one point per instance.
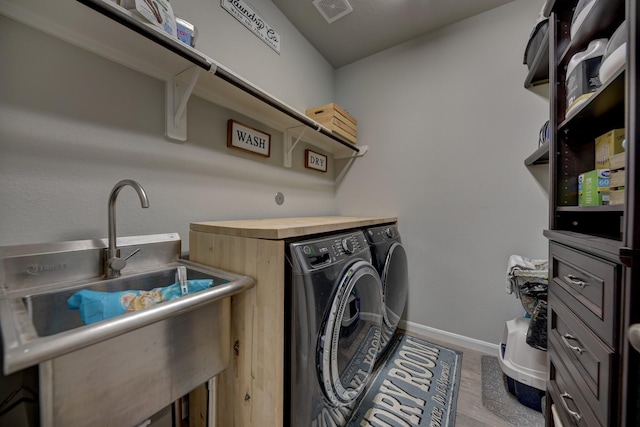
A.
x: 315, y: 161
x: 249, y: 139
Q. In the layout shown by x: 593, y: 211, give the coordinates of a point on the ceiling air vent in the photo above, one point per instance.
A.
x: 333, y: 10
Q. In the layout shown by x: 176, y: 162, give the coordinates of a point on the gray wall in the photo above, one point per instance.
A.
x: 445, y: 115
x: 72, y: 124
x: 449, y: 125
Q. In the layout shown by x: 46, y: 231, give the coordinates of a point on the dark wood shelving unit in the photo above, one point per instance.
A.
x: 593, y: 250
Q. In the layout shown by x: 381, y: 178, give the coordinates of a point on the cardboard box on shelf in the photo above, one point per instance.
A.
x: 593, y: 188
x: 618, y: 161
x: 157, y: 12
x: 616, y: 197
x: 617, y: 178
x: 336, y: 119
x: 607, y: 145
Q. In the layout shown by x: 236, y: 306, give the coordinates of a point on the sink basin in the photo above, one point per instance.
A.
x: 49, y: 313
x: 125, y: 368
x: 37, y: 326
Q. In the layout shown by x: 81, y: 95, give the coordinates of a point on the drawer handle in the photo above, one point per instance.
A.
x: 566, y: 338
x: 575, y: 280
x: 574, y: 414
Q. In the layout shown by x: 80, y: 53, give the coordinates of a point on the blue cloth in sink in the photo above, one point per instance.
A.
x: 95, y: 306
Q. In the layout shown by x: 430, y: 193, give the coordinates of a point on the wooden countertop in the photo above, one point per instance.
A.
x: 283, y: 228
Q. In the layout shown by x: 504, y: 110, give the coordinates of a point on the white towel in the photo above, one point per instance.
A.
x: 521, y: 269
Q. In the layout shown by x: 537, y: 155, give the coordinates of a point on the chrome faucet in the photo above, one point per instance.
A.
x: 113, y: 262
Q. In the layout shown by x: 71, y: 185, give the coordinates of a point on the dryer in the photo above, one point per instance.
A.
x: 335, y: 300
x: 390, y: 260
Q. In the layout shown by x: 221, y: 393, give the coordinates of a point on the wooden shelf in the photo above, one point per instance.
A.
x: 539, y: 71
x: 539, y: 157
x: 603, y: 208
x: 603, y: 16
x: 110, y: 31
x: 608, y: 98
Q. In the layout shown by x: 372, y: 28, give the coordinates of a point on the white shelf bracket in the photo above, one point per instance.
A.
x: 177, y: 93
x: 363, y: 150
x: 288, y: 146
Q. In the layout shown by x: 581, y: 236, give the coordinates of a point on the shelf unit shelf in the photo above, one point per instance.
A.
x: 536, y: 78
x: 601, y: 18
x: 607, y: 98
x: 539, y: 157
x: 104, y: 28
x: 539, y: 71
x: 604, y: 208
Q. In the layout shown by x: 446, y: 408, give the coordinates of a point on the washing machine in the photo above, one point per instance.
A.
x: 335, y: 315
x: 390, y: 260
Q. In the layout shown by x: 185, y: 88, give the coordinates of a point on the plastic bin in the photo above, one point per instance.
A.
x: 524, y: 367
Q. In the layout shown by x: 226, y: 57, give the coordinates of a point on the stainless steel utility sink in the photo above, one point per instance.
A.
x: 125, y: 368
x: 49, y: 313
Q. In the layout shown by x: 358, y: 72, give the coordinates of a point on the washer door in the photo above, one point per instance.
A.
x: 350, y: 339
x: 395, y: 284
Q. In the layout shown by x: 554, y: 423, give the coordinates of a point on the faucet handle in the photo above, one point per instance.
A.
x: 117, y: 263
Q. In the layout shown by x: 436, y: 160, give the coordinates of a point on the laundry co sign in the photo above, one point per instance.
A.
x: 245, y: 14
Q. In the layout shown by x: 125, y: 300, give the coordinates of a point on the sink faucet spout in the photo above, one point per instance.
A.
x: 113, y: 261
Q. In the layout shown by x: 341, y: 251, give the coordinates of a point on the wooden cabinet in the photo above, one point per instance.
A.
x: 589, y: 285
x: 250, y: 392
x: 593, y: 375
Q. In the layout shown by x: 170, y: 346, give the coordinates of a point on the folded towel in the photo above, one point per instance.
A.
x: 521, y: 270
x: 95, y: 306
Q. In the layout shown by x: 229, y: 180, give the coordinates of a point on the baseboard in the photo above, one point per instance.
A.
x: 450, y: 338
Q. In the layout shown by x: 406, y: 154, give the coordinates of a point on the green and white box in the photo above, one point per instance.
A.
x: 593, y: 188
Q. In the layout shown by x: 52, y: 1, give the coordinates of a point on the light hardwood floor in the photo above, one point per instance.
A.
x: 469, y: 410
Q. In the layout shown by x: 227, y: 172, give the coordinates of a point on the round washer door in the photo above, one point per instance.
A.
x: 395, y: 285
x: 350, y: 340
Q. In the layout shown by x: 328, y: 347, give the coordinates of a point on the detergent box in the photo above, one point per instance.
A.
x: 593, y: 188
x: 607, y: 145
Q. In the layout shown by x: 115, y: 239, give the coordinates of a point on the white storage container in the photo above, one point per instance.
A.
x: 524, y: 366
x: 518, y: 360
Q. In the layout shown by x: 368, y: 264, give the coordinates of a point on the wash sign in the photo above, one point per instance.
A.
x: 243, y: 137
x: 248, y: 17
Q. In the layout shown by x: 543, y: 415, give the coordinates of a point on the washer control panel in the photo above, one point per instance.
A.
x: 381, y: 234
x: 321, y: 252
x: 347, y: 245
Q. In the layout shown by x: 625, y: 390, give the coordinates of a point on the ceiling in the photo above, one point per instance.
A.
x: 375, y: 25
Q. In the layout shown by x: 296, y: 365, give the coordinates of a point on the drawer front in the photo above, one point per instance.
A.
x: 572, y: 407
x: 588, y: 285
x: 588, y: 360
